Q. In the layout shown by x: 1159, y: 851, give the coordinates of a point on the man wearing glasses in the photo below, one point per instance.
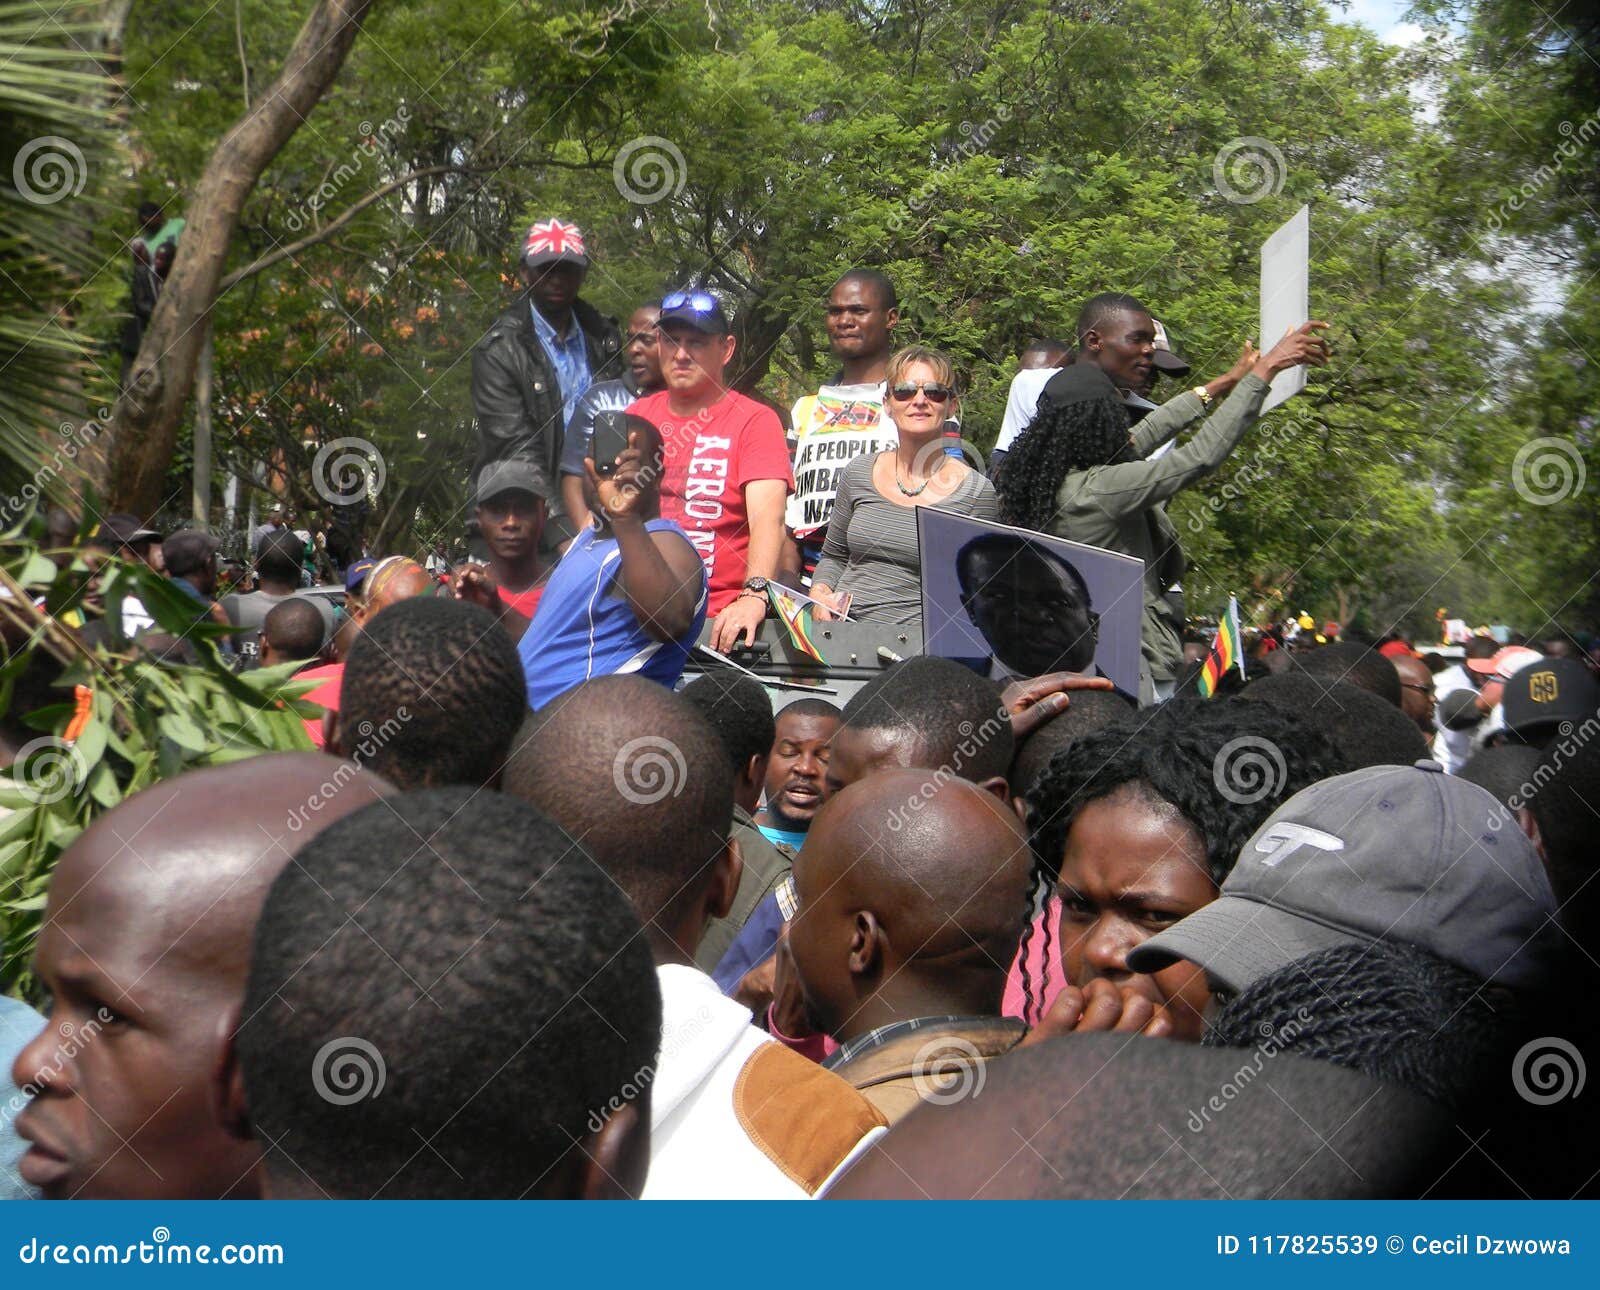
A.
x: 540, y: 356
x: 641, y: 375
x: 727, y: 466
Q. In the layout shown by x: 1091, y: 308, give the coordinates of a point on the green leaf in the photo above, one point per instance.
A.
x: 183, y: 732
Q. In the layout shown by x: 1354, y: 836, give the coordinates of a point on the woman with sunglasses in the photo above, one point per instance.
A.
x: 870, y: 551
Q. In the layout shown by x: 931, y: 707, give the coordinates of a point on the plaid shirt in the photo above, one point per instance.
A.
x: 883, y: 1034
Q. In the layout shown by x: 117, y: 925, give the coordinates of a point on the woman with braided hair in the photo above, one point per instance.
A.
x: 1134, y: 826
x: 1076, y: 472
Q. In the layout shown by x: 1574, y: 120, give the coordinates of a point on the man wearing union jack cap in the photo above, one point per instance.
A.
x: 539, y: 356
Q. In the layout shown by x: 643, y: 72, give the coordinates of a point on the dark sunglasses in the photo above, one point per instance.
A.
x: 905, y: 391
x: 699, y: 301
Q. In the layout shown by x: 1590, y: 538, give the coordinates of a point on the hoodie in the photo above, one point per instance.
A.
x: 735, y: 1116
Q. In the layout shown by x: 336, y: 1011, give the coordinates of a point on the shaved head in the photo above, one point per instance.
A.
x: 913, y: 892
x: 147, y: 935
x: 654, y: 809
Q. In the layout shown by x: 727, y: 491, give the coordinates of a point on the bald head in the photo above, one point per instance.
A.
x: 147, y: 931
x: 913, y: 892
x: 642, y: 782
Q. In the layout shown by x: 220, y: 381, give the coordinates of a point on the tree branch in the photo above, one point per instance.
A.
x: 355, y: 208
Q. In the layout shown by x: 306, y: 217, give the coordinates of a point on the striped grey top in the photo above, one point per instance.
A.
x: 871, y: 545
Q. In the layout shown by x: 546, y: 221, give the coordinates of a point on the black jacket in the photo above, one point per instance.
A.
x: 515, y: 395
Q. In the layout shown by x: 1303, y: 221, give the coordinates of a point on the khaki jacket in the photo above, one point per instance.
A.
x: 942, y: 1062
x: 1121, y: 507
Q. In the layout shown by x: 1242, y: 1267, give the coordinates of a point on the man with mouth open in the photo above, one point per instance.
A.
x: 797, y: 771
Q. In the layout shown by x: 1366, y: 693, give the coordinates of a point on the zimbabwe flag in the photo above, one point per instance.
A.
x: 795, y: 610
x: 1226, y: 650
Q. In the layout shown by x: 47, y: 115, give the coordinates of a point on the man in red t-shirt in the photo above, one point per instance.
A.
x: 727, y: 472
x: 512, y: 498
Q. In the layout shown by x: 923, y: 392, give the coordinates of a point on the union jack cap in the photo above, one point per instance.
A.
x: 553, y: 240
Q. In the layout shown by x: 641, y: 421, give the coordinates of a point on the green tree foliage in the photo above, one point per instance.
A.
x: 1001, y: 160
x: 86, y: 726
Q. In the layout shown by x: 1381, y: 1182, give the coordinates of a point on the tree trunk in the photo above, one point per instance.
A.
x: 146, y: 419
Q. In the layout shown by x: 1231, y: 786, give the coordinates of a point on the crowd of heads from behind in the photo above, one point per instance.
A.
x: 570, y: 905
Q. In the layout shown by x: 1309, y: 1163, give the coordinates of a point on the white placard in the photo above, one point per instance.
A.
x: 1285, y: 297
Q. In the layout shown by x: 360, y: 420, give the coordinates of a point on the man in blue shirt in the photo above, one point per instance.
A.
x: 629, y: 595
x: 797, y: 770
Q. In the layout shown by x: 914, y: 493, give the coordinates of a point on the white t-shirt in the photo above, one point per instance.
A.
x: 1023, y: 401
x: 832, y: 428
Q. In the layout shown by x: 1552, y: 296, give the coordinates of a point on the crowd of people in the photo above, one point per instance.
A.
x: 539, y: 919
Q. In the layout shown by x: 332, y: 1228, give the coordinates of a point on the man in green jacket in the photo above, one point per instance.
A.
x: 1087, y: 479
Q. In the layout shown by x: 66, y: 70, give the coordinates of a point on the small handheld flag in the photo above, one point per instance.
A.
x: 795, y: 610
x: 1226, y: 650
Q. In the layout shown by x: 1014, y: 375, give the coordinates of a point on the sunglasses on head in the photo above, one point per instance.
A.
x: 699, y: 301
x: 905, y: 391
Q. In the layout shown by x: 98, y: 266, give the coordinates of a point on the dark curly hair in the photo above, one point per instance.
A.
x: 1387, y: 1009
x: 1058, y: 441
x: 1224, y: 765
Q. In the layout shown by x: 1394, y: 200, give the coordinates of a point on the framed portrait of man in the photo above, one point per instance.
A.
x: 1012, y: 603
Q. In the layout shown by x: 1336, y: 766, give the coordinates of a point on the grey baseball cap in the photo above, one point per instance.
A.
x: 1389, y: 853
x: 513, y: 475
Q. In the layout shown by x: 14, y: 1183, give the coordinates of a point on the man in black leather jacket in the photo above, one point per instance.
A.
x: 527, y: 372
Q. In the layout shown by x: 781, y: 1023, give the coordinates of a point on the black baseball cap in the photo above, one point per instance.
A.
x: 122, y: 529
x: 1539, y: 698
x: 1389, y: 853
x: 1164, y: 358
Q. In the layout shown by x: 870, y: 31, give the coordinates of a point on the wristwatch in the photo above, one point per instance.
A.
x: 1204, y: 395
x: 757, y: 585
